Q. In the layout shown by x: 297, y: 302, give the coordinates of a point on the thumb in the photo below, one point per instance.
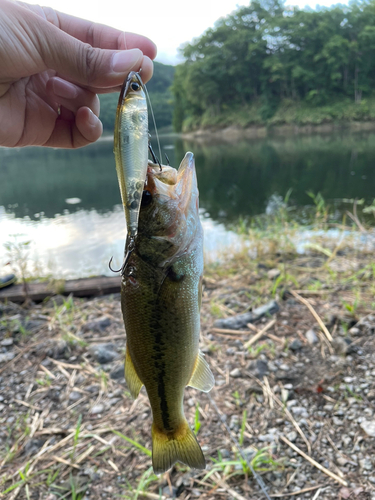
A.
x: 79, y: 62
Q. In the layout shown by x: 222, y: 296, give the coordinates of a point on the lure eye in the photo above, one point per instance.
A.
x: 135, y: 86
x: 146, y: 198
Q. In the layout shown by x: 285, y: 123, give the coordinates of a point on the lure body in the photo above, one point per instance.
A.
x: 131, y: 148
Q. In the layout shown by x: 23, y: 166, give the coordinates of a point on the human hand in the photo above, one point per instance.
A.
x: 52, y: 67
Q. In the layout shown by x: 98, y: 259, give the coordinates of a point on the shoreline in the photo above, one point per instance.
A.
x: 233, y: 132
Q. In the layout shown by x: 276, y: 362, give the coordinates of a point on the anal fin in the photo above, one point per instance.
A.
x: 202, y: 378
x: 133, y: 381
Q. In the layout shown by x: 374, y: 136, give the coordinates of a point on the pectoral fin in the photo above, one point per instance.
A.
x: 202, y: 378
x: 133, y: 381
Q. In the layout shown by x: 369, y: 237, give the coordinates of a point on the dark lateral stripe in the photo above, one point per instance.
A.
x: 161, y: 373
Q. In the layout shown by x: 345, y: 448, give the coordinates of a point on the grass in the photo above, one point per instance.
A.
x: 134, y: 443
x: 261, y: 461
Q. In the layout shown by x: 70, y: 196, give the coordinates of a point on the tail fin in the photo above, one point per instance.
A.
x: 179, y: 446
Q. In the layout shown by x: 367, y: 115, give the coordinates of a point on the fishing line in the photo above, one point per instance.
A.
x: 153, y: 120
x: 258, y: 479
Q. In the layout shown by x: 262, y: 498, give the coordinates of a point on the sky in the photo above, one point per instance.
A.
x: 169, y: 23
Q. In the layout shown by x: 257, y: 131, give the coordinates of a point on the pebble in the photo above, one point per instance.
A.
x: 273, y: 273
x: 7, y: 342
x: 261, y: 367
x: 299, y: 411
x: 296, y: 345
x: 292, y: 436
x: 97, y: 409
x: 369, y: 427
x: 354, y: 331
x: 8, y: 356
x: 340, y: 346
x: 236, y: 373
x: 75, y: 396
x: 33, y: 445
x: 311, y: 337
x: 98, y: 325
x: 118, y: 372
x: 366, y: 464
x: 103, y: 353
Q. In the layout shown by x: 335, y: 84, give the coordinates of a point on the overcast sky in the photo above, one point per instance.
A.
x: 169, y: 23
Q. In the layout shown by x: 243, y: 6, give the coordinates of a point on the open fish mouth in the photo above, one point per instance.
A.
x: 179, y: 185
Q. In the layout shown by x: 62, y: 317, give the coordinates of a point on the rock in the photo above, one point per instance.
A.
x: 58, y: 349
x: 8, y: 356
x: 7, y: 342
x: 299, y: 411
x: 118, y: 372
x: 261, y: 368
x: 292, y: 436
x: 273, y: 273
x: 224, y: 453
x: 97, y: 409
x: 369, y: 427
x: 103, y: 353
x: 366, y: 464
x: 98, y: 325
x: 241, y: 320
x: 311, y: 337
x: 340, y: 346
x: 75, y: 396
x: 236, y: 373
x: 33, y: 446
x: 354, y: 331
x: 168, y: 493
x: 296, y: 345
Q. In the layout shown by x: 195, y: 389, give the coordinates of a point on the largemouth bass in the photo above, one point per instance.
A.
x: 131, y: 147
x: 160, y: 299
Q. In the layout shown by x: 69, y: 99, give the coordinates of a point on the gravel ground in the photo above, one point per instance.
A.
x: 297, y: 399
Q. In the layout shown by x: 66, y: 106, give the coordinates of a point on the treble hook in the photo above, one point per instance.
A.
x: 130, y: 249
x: 154, y: 157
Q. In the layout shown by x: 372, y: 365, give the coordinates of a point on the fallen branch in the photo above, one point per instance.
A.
x: 313, y: 462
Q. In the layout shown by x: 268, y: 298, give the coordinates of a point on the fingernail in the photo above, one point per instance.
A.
x: 64, y: 89
x: 92, y: 119
x: 125, y: 60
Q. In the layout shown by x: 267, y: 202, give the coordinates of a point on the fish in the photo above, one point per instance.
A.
x: 131, y: 139
x: 161, y: 294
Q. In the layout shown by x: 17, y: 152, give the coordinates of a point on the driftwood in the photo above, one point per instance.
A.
x: 85, y: 287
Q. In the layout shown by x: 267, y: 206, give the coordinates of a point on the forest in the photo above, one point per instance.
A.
x: 268, y: 64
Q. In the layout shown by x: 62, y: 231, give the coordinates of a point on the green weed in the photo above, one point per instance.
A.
x: 197, y: 423
x: 141, y: 448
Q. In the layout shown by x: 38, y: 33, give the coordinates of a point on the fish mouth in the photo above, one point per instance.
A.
x: 171, y: 184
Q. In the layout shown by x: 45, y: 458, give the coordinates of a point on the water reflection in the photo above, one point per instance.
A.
x: 68, y: 202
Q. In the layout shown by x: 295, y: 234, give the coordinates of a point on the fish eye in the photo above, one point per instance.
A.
x: 146, y: 198
x: 135, y: 86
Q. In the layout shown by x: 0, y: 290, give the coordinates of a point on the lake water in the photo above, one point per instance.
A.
x: 67, y: 203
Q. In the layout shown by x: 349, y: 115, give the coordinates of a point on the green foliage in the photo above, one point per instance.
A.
x: 269, y: 64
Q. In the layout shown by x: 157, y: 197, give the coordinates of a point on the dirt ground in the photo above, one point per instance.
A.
x: 296, y: 388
